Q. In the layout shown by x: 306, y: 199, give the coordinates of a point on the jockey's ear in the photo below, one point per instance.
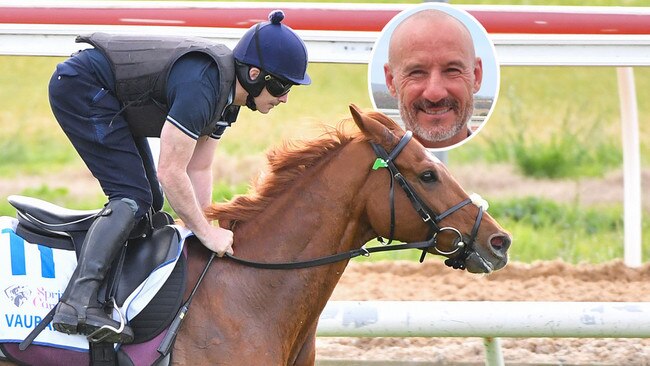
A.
x: 371, y: 125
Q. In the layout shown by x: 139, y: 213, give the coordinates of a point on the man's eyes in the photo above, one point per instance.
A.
x: 417, y: 73
x: 453, y: 71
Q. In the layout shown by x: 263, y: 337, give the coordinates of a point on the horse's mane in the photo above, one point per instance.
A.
x: 286, y: 164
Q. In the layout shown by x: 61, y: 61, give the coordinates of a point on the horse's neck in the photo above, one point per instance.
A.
x: 321, y: 214
x: 317, y: 216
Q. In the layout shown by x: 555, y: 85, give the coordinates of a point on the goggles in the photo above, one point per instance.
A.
x: 276, y: 86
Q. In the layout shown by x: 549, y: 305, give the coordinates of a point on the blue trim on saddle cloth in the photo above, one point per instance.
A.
x: 26, y: 298
x: 143, y: 294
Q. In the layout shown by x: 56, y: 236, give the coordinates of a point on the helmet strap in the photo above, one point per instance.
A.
x: 250, y: 103
x: 255, y: 86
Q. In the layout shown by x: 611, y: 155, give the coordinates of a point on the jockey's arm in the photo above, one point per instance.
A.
x: 179, y: 154
x: 199, y: 170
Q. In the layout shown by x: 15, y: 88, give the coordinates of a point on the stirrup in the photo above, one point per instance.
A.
x: 106, y: 331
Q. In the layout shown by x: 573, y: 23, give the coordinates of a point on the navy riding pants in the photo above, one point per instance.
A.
x: 89, y: 114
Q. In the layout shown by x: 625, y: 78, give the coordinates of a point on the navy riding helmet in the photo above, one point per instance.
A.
x: 277, y: 51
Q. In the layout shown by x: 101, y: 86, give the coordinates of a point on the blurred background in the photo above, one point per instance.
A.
x: 549, y: 159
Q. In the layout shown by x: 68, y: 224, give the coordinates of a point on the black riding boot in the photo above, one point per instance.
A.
x: 78, y: 310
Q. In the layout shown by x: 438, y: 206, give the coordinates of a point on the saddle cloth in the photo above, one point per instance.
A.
x: 33, y: 277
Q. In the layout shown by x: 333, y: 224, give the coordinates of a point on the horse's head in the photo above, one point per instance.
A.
x: 413, y: 197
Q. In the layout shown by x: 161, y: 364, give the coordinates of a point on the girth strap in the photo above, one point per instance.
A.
x: 102, y: 354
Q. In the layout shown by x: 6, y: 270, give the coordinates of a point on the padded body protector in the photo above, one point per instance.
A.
x: 141, y: 66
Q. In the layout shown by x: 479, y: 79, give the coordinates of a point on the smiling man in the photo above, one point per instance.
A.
x: 433, y: 72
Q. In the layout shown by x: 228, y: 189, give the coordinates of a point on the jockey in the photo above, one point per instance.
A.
x: 108, y: 99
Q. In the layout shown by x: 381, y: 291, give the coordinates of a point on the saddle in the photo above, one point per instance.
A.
x: 151, y: 243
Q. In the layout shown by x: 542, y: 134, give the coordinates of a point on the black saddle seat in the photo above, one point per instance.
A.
x: 51, y: 217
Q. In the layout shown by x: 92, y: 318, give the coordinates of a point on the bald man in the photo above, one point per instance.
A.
x: 433, y: 72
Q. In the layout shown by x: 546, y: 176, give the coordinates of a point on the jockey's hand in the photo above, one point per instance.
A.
x: 218, y: 240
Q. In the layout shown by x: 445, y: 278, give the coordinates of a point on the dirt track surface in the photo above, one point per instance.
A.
x: 540, y: 281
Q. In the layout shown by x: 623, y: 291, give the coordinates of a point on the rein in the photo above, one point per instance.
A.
x: 385, y: 160
x: 334, y: 257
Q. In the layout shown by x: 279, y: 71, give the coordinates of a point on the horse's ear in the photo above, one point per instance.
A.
x: 374, y: 129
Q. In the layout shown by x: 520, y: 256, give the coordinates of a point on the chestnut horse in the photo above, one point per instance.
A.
x: 317, y: 199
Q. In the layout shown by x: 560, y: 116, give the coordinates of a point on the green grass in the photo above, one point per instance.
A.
x: 545, y: 118
x: 30, y: 139
x: 572, y: 150
x: 546, y: 230
x: 559, y: 122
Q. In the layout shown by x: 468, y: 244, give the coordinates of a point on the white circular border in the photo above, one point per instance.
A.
x: 482, y: 44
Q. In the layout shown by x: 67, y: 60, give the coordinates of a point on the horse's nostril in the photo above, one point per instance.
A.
x: 500, y: 243
x: 496, y: 242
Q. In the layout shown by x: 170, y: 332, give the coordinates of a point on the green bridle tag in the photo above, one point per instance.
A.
x: 379, y: 163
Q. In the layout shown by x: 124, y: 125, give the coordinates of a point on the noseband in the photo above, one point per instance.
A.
x: 462, y: 250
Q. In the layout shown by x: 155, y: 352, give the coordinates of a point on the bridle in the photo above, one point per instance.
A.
x: 386, y: 160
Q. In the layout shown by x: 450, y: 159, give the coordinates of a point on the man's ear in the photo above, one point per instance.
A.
x: 478, y: 74
x: 388, y: 74
x: 253, y: 73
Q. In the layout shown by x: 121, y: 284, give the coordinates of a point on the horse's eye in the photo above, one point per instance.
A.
x: 428, y: 177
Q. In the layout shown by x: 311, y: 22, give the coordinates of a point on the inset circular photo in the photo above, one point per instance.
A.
x: 434, y: 70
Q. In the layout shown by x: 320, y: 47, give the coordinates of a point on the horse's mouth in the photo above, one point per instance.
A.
x: 475, y: 263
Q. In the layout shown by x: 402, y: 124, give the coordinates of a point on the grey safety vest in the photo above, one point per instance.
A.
x: 141, y: 66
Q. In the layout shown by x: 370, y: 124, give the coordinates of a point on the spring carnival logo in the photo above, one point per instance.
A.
x: 40, y: 298
x: 18, y: 294
x: 23, y: 297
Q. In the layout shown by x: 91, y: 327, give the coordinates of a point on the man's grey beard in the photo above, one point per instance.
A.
x: 424, y: 134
